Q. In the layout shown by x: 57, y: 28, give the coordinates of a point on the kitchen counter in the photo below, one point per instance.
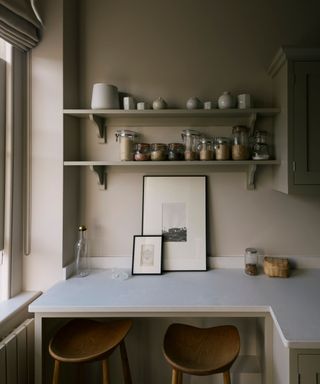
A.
x: 293, y: 302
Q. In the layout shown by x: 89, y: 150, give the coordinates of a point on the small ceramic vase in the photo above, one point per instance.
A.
x: 193, y: 103
x: 159, y: 103
x: 225, y: 101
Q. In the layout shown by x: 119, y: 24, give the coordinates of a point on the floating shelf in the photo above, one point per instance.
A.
x: 103, y: 117
x: 100, y: 167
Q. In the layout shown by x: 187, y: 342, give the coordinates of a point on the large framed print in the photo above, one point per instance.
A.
x: 175, y: 207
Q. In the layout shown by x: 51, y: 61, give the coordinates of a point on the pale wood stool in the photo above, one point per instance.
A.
x: 86, y: 340
x: 201, y: 351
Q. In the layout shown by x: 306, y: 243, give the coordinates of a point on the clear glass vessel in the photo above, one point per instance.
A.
x: 81, y: 253
x: 222, y: 148
x: 142, y: 152
x: 240, y: 145
x: 158, y: 151
x: 176, y: 151
x: 126, y: 139
x: 206, y: 148
x: 260, y: 150
x: 251, y: 261
x: 190, y: 139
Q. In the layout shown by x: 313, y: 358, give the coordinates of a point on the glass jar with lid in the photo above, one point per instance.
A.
x: 251, y: 261
x: 158, y: 152
x: 142, y: 152
x: 126, y: 139
x: 190, y: 138
x: 176, y: 151
x: 222, y: 148
x: 206, y: 148
x: 260, y: 150
x: 240, y: 145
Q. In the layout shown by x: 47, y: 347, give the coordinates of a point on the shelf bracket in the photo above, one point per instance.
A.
x: 101, y: 125
x: 252, y: 122
x: 251, y: 172
x: 100, y: 170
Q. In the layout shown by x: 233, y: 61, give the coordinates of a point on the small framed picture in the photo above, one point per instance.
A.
x: 147, y: 255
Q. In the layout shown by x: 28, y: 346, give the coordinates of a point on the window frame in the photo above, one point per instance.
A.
x: 14, y: 154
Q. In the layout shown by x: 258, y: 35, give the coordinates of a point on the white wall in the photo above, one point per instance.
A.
x: 174, y: 50
x: 43, y: 266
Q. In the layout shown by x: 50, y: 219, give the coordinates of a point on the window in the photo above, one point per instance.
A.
x: 12, y: 122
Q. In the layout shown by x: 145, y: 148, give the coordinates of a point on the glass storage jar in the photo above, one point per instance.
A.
x: 176, y: 151
x: 158, y: 151
x: 222, y: 148
x: 190, y: 138
x: 251, y: 261
x: 240, y: 145
x: 142, y: 152
x: 260, y: 150
x: 206, y: 148
x: 127, y: 139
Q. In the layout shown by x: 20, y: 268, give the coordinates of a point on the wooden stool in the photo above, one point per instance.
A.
x: 86, y: 340
x: 201, y: 351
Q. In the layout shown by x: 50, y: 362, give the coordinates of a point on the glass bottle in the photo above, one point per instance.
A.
x: 260, y: 150
x: 191, y: 140
x: 240, y: 145
x: 81, y: 253
x: 126, y: 139
x: 251, y: 261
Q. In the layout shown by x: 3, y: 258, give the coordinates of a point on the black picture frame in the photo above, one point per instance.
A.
x: 147, y: 255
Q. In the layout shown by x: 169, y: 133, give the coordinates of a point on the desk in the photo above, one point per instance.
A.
x: 292, y: 303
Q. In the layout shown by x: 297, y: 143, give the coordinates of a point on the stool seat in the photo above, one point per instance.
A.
x: 86, y: 340
x: 201, y: 351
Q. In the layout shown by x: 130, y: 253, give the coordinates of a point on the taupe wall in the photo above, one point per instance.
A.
x: 173, y: 49
x: 178, y: 49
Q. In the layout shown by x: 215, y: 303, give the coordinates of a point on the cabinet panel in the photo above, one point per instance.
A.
x: 306, y: 121
x: 309, y: 369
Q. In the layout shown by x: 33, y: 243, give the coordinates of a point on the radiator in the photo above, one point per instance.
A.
x: 17, y: 355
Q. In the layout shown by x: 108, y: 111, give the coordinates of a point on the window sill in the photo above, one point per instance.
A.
x: 15, y: 310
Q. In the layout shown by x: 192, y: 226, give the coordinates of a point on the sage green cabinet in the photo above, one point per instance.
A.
x: 296, y: 89
x: 308, y: 369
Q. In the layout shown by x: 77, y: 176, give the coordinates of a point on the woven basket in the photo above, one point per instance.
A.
x: 276, y: 267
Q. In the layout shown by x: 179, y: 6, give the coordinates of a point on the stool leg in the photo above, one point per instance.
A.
x: 56, y: 372
x: 226, y: 377
x: 176, y: 376
x: 125, y: 363
x: 105, y: 371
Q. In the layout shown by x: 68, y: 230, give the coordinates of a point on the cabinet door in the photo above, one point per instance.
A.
x: 306, y: 123
x: 309, y: 369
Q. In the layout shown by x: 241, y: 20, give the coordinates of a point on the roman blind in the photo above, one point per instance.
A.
x: 20, y: 24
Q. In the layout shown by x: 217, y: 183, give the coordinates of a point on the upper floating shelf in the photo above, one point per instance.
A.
x: 120, y: 113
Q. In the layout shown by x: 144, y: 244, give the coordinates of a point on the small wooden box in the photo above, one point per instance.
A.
x: 276, y: 266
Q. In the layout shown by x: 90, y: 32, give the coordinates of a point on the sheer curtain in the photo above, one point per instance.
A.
x: 20, y: 24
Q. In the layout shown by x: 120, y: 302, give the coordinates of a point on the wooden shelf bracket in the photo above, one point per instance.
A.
x: 100, y: 170
x: 252, y: 122
x: 101, y: 124
x: 251, y: 172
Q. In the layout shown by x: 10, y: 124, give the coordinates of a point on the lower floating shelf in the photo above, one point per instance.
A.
x: 100, y: 166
